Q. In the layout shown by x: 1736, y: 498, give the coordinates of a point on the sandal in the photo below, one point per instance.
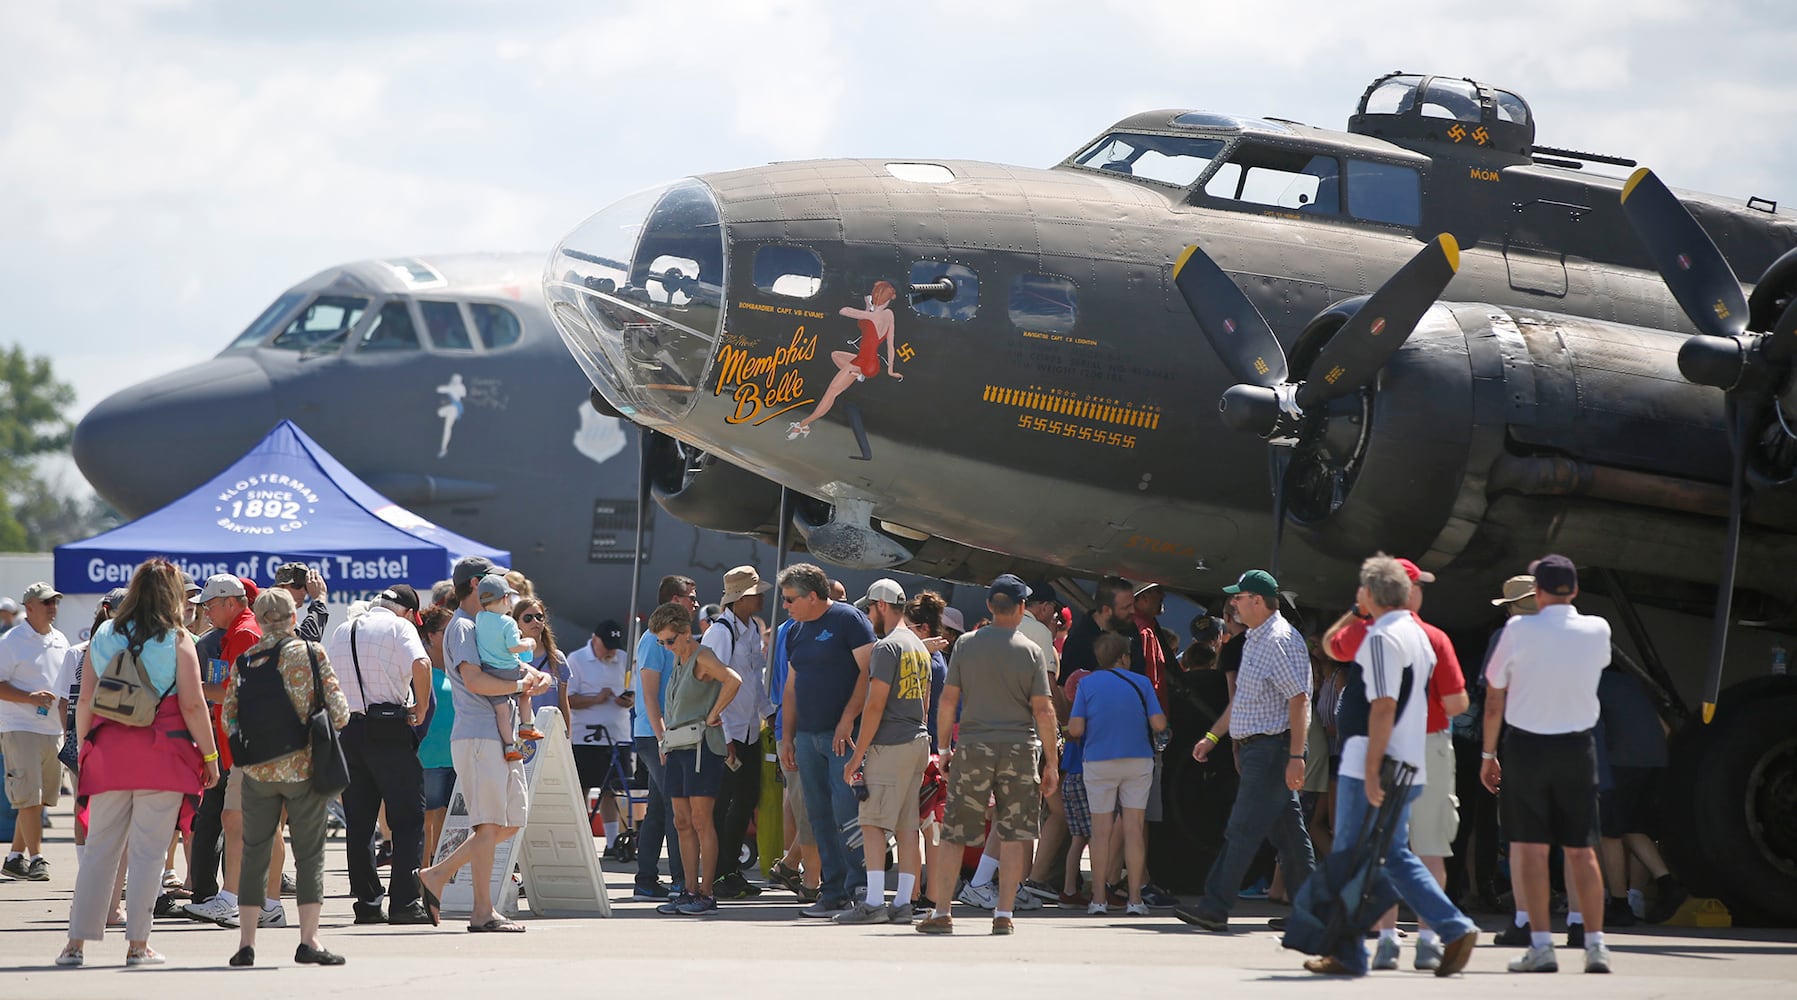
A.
x: 797, y: 430
x: 497, y: 925
x: 432, y: 905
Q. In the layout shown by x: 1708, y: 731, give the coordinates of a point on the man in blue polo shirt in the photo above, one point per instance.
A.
x: 827, y: 653
x: 652, y: 659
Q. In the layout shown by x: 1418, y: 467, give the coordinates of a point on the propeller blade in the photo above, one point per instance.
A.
x: 1740, y: 430
x: 1695, y: 271
x: 1353, y: 357
x: 1236, y: 330
x: 642, y: 521
x: 1279, y: 463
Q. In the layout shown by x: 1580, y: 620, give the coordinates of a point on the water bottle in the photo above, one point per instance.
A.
x: 1778, y: 659
x: 860, y: 786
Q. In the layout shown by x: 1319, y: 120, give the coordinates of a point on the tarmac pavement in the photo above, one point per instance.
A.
x: 762, y: 948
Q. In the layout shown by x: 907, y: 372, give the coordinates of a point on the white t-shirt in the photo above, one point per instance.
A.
x: 1394, y: 644
x: 588, y: 674
x: 1038, y: 633
x: 32, y: 662
x: 1550, y: 663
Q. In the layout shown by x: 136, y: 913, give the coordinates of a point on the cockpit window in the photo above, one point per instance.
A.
x: 498, y: 326
x: 1455, y: 99
x: 1511, y: 108
x: 1286, y: 178
x: 443, y: 321
x: 392, y: 330
x: 1393, y: 97
x: 964, y: 300
x: 795, y: 272
x: 328, y: 319
x: 264, y: 324
x: 1170, y: 159
x: 1385, y: 192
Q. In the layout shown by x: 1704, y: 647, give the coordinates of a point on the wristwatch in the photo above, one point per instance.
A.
x: 1487, y: 755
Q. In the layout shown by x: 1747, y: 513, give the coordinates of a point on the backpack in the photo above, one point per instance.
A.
x: 268, y: 727
x: 122, y: 693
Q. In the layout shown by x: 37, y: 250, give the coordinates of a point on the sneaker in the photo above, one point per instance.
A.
x: 1256, y: 891
x: 824, y: 909
x: 213, y: 911
x: 1026, y: 901
x: 734, y: 886
x: 17, y: 867
x: 530, y: 733
x: 984, y: 897
x: 70, y: 959
x: 1456, y: 953
x: 1096, y: 909
x: 513, y: 754
x: 1513, y: 936
x: 699, y: 906
x: 167, y: 906
x: 1041, y: 890
x: 1536, y: 960
x: 1668, y: 897
x: 653, y: 892
x: 412, y: 913
x: 790, y: 879
x: 1575, y: 936
x: 674, y: 904
x: 1136, y: 910
x: 288, y: 886
x: 1428, y: 955
x: 38, y: 870
x: 368, y: 913
x: 1198, y: 918
x: 1276, y: 924
x: 1597, y: 958
x: 1003, y: 925
x: 276, y: 917
x: 1075, y: 900
x: 383, y: 855
x: 936, y: 925
x: 1385, y: 956
x: 149, y: 956
x: 901, y: 914
x: 1158, y: 898
x: 1617, y: 913
x: 864, y: 913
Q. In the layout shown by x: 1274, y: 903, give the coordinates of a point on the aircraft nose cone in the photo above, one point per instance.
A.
x: 147, y: 445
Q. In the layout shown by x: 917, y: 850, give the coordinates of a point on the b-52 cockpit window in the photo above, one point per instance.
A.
x: 443, y: 321
x: 498, y: 326
x: 1286, y: 178
x: 264, y: 324
x: 1170, y: 159
x: 392, y: 330
x: 328, y: 319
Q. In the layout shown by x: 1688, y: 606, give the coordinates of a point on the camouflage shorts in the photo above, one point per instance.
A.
x: 1001, y: 773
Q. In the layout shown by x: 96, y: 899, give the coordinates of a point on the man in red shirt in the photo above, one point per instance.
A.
x: 1435, y: 817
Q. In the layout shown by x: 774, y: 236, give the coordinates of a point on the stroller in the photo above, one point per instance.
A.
x: 618, y: 783
x: 1349, y: 889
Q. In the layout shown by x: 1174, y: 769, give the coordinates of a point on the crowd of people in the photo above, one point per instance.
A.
x: 198, y: 718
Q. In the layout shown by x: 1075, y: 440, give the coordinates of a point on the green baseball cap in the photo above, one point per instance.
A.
x: 1255, y: 581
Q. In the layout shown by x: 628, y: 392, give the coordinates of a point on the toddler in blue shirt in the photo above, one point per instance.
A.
x: 503, y: 654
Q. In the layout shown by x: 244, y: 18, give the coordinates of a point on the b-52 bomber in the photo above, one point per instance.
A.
x: 1428, y: 334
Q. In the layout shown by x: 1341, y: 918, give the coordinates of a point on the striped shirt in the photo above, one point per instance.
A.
x: 1275, y: 669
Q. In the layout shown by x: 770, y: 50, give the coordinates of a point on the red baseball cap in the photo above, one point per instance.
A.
x: 1416, y: 573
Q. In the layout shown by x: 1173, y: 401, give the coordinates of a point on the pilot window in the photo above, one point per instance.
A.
x: 794, y: 272
x: 259, y: 330
x: 498, y: 326
x: 326, y: 321
x: 1455, y: 99
x: 1286, y: 178
x: 1394, y: 96
x: 443, y: 321
x: 392, y: 330
x: 1385, y: 192
x: 958, y: 300
x: 1170, y: 159
x: 1044, y: 303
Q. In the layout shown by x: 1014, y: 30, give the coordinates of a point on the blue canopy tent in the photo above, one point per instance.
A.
x: 286, y: 500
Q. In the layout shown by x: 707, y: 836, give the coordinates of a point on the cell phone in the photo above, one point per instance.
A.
x: 733, y: 763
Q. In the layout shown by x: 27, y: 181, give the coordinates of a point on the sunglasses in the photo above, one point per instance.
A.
x: 533, y: 618
x: 669, y: 642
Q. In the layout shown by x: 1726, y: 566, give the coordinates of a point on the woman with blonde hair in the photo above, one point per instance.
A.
x: 135, y: 777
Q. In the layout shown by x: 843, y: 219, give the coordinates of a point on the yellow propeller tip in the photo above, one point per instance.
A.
x: 1709, y: 712
x: 1628, y: 187
x: 1450, y: 248
x: 1184, y: 256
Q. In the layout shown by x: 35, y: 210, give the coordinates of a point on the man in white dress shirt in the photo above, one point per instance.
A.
x: 735, y: 637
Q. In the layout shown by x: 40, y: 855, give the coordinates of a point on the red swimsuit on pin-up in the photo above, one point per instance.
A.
x: 867, y: 360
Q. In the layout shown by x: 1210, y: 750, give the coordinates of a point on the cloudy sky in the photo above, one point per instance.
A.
x: 168, y: 166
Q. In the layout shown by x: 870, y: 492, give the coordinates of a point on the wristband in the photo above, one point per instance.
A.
x: 520, y: 685
x: 1488, y: 756
x: 1213, y: 738
x: 209, y: 758
x: 1298, y: 756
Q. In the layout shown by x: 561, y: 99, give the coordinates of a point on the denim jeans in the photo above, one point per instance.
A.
x: 829, y: 803
x: 1414, y: 883
x: 658, y: 822
x: 1264, y: 809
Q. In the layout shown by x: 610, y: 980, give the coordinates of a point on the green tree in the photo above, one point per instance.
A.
x: 34, y: 423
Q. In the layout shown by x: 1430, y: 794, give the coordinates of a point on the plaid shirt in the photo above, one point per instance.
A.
x: 1275, y: 668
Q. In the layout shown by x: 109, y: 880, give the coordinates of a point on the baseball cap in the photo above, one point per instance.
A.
x: 1009, y: 585
x: 1518, y: 591
x: 41, y: 591
x: 8, y: 604
x: 250, y: 590
x: 401, y: 593
x: 1416, y: 573
x: 219, y: 585
x: 1554, y: 574
x: 493, y: 587
x: 471, y: 568
x: 114, y: 597
x: 1042, y: 590
x: 951, y: 618
x: 292, y: 574
x: 882, y: 590
x: 1145, y: 588
x: 610, y: 634
x: 1255, y: 581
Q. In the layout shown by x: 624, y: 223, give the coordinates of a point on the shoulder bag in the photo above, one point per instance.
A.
x: 330, y: 771
x: 384, y: 722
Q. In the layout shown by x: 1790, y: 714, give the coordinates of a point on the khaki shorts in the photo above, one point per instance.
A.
x: 1435, y: 818
x: 491, y: 786
x: 234, y: 779
x: 1003, y: 774
x: 33, y: 774
x: 894, y: 774
x: 1125, y: 781
x: 795, y: 798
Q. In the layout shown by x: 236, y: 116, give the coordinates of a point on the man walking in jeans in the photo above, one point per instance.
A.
x: 828, y: 653
x: 652, y: 659
x: 1268, y: 720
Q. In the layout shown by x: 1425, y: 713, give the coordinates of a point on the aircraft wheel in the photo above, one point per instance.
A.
x: 1732, y: 808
